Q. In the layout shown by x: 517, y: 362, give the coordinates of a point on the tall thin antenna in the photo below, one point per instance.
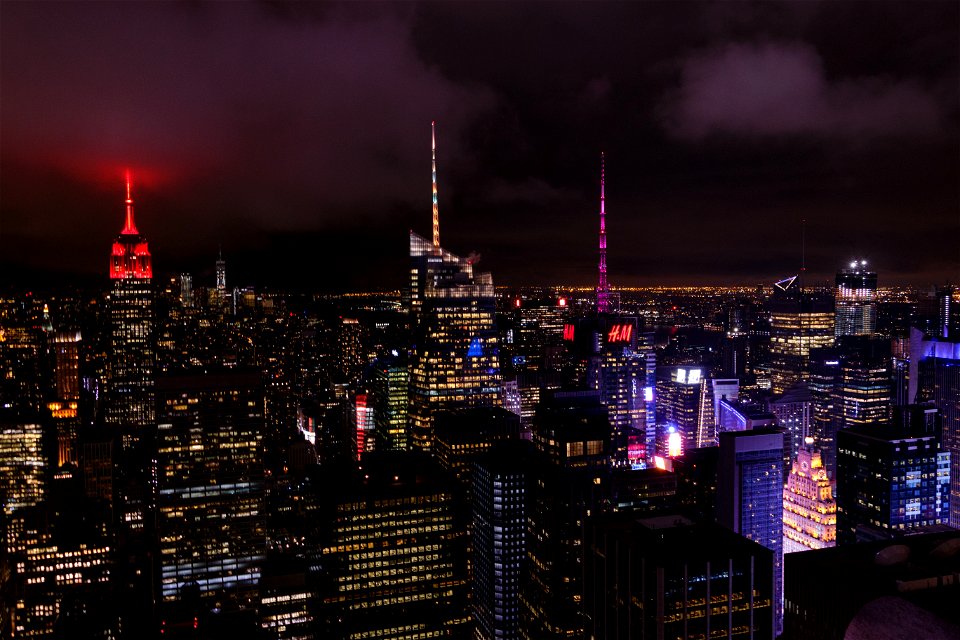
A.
x: 803, y: 249
x: 603, y: 291
x: 129, y: 226
x: 436, y: 207
x: 803, y: 268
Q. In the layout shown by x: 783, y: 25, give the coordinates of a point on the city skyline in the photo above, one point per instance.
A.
x: 700, y: 192
x: 505, y: 321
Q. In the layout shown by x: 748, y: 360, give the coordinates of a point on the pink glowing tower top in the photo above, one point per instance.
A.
x: 603, y: 291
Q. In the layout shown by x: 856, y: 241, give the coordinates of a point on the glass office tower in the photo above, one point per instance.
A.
x: 455, y: 355
x: 856, y: 300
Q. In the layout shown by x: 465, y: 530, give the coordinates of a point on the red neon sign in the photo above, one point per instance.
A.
x: 620, y: 333
x: 568, y: 331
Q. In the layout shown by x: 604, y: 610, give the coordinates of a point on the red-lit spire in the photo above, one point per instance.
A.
x: 129, y: 227
x: 130, y: 256
x: 436, y: 208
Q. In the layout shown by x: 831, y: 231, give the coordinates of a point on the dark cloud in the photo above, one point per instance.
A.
x: 782, y: 89
x: 334, y: 110
x: 297, y: 136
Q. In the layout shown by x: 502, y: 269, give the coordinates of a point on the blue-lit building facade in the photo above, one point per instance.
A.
x: 501, y: 492
x: 892, y: 479
x: 750, y: 496
x: 680, y: 407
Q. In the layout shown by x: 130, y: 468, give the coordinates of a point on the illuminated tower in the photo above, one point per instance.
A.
x: 221, y: 278
x: 186, y: 289
x: 618, y: 371
x: 436, y: 207
x: 809, y: 510
x: 455, y: 353
x: 130, y: 395
x: 64, y: 410
x: 799, y: 321
x: 501, y: 490
x: 856, y: 300
x: 22, y: 463
x: 603, y: 291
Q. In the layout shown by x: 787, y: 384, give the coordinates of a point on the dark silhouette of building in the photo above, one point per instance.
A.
x: 572, y: 436
x: 666, y: 577
x: 903, y: 589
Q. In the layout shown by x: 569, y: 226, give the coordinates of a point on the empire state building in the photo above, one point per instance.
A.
x: 130, y: 383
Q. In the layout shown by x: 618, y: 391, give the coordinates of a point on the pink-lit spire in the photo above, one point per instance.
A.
x: 129, y: 227
x: 436, y: 208
x: 603, y: 291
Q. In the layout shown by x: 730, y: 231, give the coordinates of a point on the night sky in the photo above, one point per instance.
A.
x: 297, y: 136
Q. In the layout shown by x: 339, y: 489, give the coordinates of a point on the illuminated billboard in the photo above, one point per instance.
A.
x: 620, y: 333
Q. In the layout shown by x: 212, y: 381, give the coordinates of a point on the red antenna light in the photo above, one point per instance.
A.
x: 130, y: 255
x: 129, y: 226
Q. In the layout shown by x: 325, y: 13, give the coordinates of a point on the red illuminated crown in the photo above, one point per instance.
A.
x: 130, y: 257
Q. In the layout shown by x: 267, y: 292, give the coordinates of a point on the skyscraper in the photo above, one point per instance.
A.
x: 618, y: 371
x: 944, y: 296
x: 186, y: 289
x: 750, y: 496
x: 390, y: 550
x: 809, y: 510
x: 65, y: 409
x: 891, y: 479
x: 935, y: 376
x: 130, y: 384
x: 864, y: 390
x: 22, y: 463
x: 501, y: 492
x: 572, y: 437
x: 799, y: 321
x: 856, y: 300
x: 679, y: 408
x: 455, y: 355
x: 221, y: 278
x: 793, y: 411
x: 390, y: 387
x: 668, y: 577
x: 851, y: 385
x: 210, y: 515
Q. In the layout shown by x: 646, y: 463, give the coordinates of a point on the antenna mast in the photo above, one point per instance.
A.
x: 603, y: 291
x: 436, y: 208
